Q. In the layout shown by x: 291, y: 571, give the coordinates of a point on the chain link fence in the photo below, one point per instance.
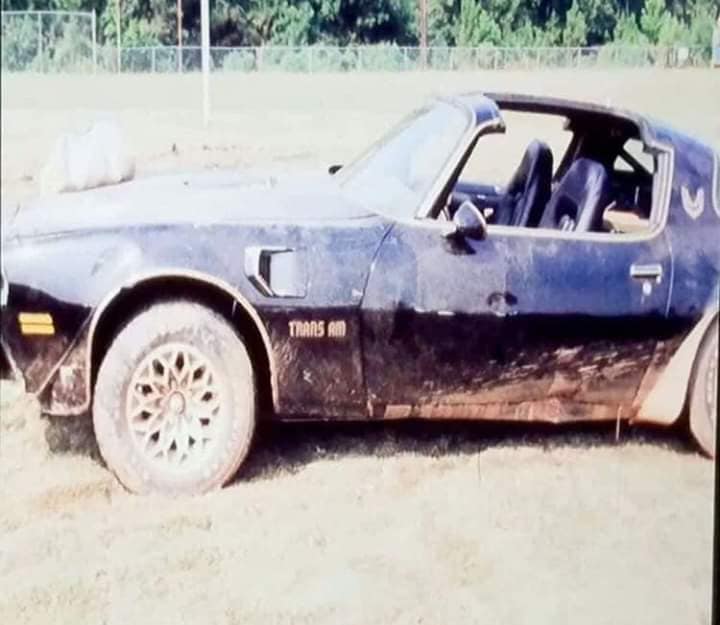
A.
x: 78, y: 57
x: 48, y: 41
x: 395, y: 58
x: 53, y: 41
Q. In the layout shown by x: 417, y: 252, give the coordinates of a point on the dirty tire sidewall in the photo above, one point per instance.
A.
x: 209, y: 333
x: 703, y: 399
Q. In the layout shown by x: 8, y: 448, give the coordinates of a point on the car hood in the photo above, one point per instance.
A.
x: 198, y: 199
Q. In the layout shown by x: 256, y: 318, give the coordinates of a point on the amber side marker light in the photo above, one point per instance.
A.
x: 36, y: 323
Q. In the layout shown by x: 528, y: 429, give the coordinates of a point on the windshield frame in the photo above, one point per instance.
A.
x: 421, y: 209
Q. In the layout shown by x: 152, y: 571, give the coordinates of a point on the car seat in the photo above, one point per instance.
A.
x: 578, y: 202
x: 528, y: 191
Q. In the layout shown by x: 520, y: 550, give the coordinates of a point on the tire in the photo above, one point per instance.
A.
x: 174, y: 407
x: 704, y: 393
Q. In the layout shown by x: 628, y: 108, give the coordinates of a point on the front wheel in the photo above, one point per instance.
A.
x: 174, y: 405
x: 704, y: 393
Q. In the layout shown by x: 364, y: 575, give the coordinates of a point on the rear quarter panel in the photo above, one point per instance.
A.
x: 693, y: 232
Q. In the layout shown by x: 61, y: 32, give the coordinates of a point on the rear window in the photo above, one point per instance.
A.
x: 636, y: 149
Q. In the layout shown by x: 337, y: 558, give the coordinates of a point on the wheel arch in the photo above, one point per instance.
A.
x: 664, y: 404
x: 120, y: 305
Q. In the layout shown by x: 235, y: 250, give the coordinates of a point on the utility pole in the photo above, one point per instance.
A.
x: 179, y: 34
x: 423, y: 32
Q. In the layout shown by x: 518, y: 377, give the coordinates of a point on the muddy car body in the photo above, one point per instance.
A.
x: 394, y: 287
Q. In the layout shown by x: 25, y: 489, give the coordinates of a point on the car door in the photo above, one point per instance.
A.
x: 588, y: 313
x: 432, y: 318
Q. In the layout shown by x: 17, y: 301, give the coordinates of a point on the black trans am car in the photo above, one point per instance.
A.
x: 181, y: 309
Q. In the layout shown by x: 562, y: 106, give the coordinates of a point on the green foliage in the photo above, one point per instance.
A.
x: 652, y: 19
x: 364, y: 21
x: 475, y: 26
x: 19, y: 43
x: 279, y: 22
x: 702, y: 22
x: 330, y: 59
x: 41, y: 43
x: 441, y: 22
x: 600, y: 18
x: 627, y: 32
x: 384, y: 57
x: 576, y: 31
x: 287, y: 59
x: 239, y: 61
x: 71, y: 50
x: 672, y: 31
x: 464, y: 23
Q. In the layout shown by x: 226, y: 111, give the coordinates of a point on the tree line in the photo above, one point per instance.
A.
x: 448, y: 22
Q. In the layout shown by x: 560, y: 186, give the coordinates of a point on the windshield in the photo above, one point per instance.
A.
x: 396, y: 173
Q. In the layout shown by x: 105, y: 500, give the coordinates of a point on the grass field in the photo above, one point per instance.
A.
x: 400, y: 523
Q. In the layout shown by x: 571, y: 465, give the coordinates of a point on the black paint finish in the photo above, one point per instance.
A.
x: 430, y: 321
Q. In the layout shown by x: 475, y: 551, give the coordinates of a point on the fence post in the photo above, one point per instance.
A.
x: 40, y: 44
x: 152, y: 59
x: 310, y: 60
x: 94, y: 41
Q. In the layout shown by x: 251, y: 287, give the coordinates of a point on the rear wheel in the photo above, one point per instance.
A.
x: 174, y: 404
x: 704, y: 393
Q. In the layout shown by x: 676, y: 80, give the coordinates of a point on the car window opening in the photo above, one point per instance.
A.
x: 587, y: 174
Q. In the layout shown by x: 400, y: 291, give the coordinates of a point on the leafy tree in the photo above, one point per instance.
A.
x: 450, y: 22
x: 575, y: 32
x: 652, y: 19
x: 365, y: 21
x: 701, y: 22
x: 600, y: 17
x: 441, y: 22
x: 475, y: 26
x: 627, y: 31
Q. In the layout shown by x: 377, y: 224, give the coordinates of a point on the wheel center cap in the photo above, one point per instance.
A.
x: 176, y: 403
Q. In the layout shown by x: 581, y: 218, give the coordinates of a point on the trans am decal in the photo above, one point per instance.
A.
x: 317, y: 329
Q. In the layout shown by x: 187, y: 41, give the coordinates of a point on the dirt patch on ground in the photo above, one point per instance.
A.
x: 382, y: 523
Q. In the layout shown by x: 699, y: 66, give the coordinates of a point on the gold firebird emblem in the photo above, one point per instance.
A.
x: 693, y: 206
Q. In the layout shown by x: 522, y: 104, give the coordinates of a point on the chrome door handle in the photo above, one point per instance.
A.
x: 650, y: 271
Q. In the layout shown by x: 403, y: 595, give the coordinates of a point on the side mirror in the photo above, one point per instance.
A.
x: 334, y: 169
x: 469, y: 222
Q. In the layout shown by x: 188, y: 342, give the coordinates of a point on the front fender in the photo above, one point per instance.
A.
x: 52, y: 288
x: 65, y: 282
